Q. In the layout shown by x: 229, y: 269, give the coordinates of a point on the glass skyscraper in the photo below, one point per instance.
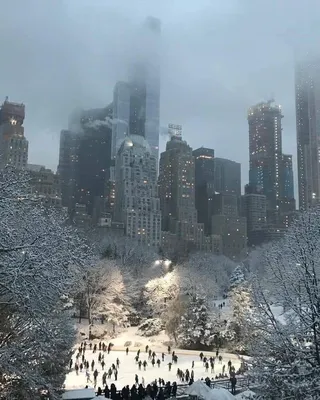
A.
x: 144, y: 81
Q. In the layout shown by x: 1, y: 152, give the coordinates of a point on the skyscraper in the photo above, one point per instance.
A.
x: 227, y: 176
x: 307, y: 88
x: 204, y: 183
x: 265, y: 151
x: 287, y: 176
x: 121, y: 114
x: 144, y: 81
x: 67, y: 168
x: 136, y: 201
x: 13, y: 144
x: 177, y: 191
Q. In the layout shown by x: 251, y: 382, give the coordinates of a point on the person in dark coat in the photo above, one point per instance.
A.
x: 106, y: 392
x: 174, y: 389
x: 160, y: 394
x: 99, y: 392
x: 127, y: 350
x: 113, y: 391
x: 70, y: 363
x: 233, y: 381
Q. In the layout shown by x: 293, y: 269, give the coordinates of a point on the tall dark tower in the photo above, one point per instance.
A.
x: 204, y: 183
x: 265, y: 151
x: 307, y: 87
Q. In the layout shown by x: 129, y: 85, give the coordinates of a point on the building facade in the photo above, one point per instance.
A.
x: 227, y: 176
x: 137, y: 204
x: 13, y: 144
x: 307, y: 93
x: 204, y: 183
x: 68, y: 163
x: 45, y: 184
x: 177, y: 192
x: 265, y: 151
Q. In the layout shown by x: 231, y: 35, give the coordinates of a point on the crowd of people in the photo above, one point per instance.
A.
x: 158, y: 389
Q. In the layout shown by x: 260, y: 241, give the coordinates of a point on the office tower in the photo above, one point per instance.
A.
x: 67, y: 168
x: 227, y: 176
x: 121, y: 114
x: 177, y: 192
x: 94, y: 162
x: 204, y: 183
x: 254, y: 208
x: 13, y: 144
x: 144, y: 80
x: 137, y: 204
x: 85, y: 157
x: 265, y: 151
x: 307, y: 89
x: 287, y: 174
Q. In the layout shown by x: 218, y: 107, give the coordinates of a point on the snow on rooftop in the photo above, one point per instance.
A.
x: 247, y: 395
x: 79, y: 394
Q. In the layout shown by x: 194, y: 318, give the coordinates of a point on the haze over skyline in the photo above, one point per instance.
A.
x: 218, y: 59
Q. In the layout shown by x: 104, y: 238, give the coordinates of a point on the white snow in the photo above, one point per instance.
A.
x: 128, y: 367
x: 247, y: 395
x: 201, y: 390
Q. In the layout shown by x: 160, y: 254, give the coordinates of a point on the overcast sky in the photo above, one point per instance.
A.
x: 218, y: 58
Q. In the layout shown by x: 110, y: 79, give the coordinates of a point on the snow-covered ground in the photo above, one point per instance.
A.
x: 128, y: 367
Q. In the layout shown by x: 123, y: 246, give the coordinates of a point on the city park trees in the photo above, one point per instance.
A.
x: 37, y: 249
x: 286, y: 345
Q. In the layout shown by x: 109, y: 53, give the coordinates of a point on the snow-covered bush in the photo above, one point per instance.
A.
x: 37, y: 251
x: 151, y: 327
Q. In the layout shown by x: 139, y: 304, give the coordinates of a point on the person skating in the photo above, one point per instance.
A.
x: 109, y: 373
x: 201, y: 356
x: 150, y: 354
x: 153, y: 362
x: 223, y: 368
x: 94, y: 348
x: 127, y: 350
x: 115, y: 374
x: 145, y: 364
x: 136, y: 379
x: 192, y: 365
x: 169, y: 349
x: 109, y: 348
x: 76, y: 367
x: 136, y: 358
x: 90, y: 345
x: 99, y: 357
x: 170, y: 365
x: 95, y: 376
x: 88, y: 376
x: 187, y: 375
x: 229, y: 365
x: 158, y: 362
x: 118, y: 362
x: 147, y: 348
x: 217, y: 353
x: 192, y: 375
x: 81, y: 367
x: 162, y: 356
x: 104, y: 378
x: 70, y: 363
x: 92, y: 365
x: 113, y: 367
x: 220, y: 359
x: 103, y: 364
x: 87, y: 365
x: 139, y: 364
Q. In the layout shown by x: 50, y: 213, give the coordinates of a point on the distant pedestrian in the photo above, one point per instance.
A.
x: 170, y: 365
x: 158, y: 362
x: 118, y: 362
x: 136, y: 378
x: 147, y: 348
x: 162, y: 356
x: 169, y: 349
x: 127, y: 350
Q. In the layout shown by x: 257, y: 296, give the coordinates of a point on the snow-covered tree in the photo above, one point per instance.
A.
x: 37, y: 250
x: 104, y: 293
x: 286, y: 348
x: 237, y: 278
x: 197, y: 327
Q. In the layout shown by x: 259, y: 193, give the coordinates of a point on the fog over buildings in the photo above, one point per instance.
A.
x: 218, y: 58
